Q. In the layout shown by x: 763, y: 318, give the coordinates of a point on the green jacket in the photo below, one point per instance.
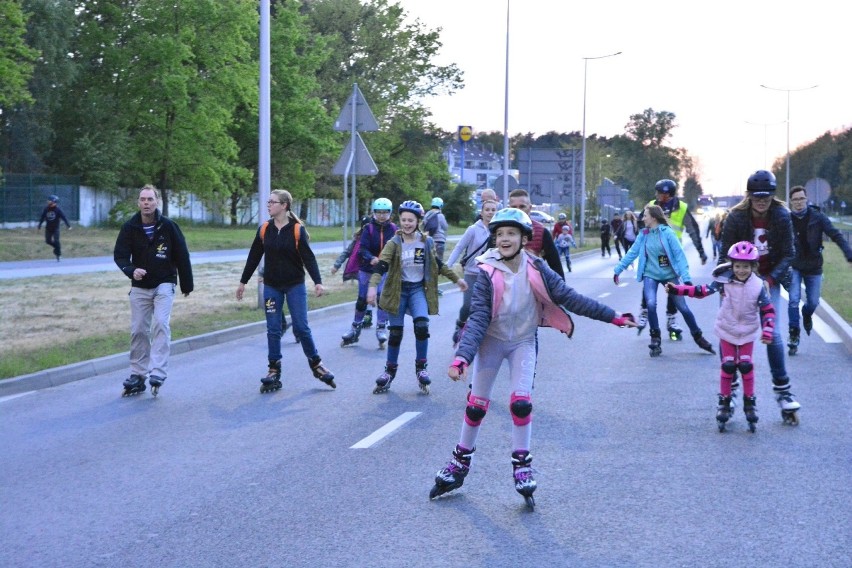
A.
x: 390, y: 262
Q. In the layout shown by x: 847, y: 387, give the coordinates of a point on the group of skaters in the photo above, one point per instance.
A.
x: 512, y: 282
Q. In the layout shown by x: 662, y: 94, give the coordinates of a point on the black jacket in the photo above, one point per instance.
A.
x: 164, y: 257
x: 51, y: 216
x: 285, y: 262
x: 809, y: 230
x: 779, y: 233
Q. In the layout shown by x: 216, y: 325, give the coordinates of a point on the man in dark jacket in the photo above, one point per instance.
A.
x: 541, y: 244
x: 809, y: 225
x: 764, y: 221
x: 152, y: 252
x: 51, y: 216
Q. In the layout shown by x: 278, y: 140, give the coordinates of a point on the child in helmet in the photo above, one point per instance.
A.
x: 374, y: 235
x: 515, y: 293
x: 435, y: 225
x: 410, y: 268
x: 746, y: 310
x: 563, y: 243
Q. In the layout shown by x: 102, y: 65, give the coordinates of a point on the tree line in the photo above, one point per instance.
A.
x: 127, y: 92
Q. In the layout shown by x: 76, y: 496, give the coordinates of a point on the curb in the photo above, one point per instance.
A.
x: 837, y: 323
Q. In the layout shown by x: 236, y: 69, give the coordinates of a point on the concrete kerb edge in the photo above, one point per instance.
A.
x: 835, y: 322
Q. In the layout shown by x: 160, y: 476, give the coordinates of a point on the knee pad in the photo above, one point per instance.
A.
x: 421, y: 328
x: 361, y: 304
x: 745, y: 367
x: 395, y: 335
x: 476, y: 409
x: 729, y: 367
x: 520, y: 406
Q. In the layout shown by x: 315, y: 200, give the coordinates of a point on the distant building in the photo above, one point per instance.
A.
x: 482, y: 167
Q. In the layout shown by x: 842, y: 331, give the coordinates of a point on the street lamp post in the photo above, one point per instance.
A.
x: 765, y: 125
x: 788, y: 91
x: 506, y: 117
x: 583, y: 176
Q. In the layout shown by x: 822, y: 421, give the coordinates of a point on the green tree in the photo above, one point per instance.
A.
x: 16, y: 58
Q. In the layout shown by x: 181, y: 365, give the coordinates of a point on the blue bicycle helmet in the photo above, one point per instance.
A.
x: 437, y: 202
x: 511, y: 217
x: 412, y: 207
x: 382, y: 204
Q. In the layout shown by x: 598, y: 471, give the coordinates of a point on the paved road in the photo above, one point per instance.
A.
x: 631, y: 468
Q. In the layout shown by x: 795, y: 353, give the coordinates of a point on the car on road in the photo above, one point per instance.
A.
x: 541, y: 217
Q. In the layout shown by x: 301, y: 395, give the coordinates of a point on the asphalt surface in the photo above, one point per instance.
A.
x: 631, y: 468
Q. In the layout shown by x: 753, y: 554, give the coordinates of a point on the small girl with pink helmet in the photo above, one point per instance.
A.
x: 746, y: 310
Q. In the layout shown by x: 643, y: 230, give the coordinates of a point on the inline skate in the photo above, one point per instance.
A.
x: 272, y: 381
x: 675, y: 332
x: 422, y: 375
x: 750, y: 411
x: 807, y: 322
x: 351, y: 336
x: 156, y: 382
x: 654, y: 346
x: 367, y: 322
x: 793, y: 341
x: 134, y: 385
x: 382, y: 334
x: 320, y: 372
x: 698, y: 337
x: 641, y: 321
x: 789, y: 407
x: 522, y: 473
x: 384, y: 381
x: 452, y: 475
x: 723, y: 412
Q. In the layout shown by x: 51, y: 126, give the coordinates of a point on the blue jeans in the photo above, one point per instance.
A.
x: 813, y: 286
x: 649, y: 291
x: 412, y: 301
x: 775, y: 350
x: 297, y: 303
x: 363, y: 284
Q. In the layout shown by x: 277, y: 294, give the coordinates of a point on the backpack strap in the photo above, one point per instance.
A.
x: 297, y: 233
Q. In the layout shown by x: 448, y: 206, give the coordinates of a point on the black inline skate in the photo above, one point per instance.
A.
x: 702, y: 343
x: 320, y: 372
x: 675, y: 332
x: 156, y: 383
x: 522, y: 472
x: 793, y: 341
x: 367, y: 322
x: 351, y: 336
x: 422, y: 376
x: 750, y: 411
x: 723, y: 412
x: 655, y: 345
x: 134, y: 385
x: 452, y: 475
x: 272, y: 381
x: 641, y: 321
x: 384, y: 381
x: 382, y: 334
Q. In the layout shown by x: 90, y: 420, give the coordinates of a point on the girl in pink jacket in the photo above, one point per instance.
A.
x: 746, y: 310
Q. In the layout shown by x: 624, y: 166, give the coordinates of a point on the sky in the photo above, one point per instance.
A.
x: 703, y: 61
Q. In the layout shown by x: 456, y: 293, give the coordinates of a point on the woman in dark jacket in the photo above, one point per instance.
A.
x: 809, y: 225
x: 762, y: 219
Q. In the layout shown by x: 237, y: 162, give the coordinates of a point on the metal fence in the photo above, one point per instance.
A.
x: 24, y: 196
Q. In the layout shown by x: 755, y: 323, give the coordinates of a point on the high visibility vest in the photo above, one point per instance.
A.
x: 676, y: 217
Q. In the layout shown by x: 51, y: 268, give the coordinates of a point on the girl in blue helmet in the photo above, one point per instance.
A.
x: 515, y: 293
x: 410, y: 267
x: 745, y: 312
x: 375, y: 233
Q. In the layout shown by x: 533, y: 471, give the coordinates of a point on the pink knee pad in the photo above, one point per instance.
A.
x: 476, y: 409
x: 520, y: 406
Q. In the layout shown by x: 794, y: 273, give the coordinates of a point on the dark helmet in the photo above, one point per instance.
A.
x: 761, y: 183
x: 53, y: 198
x: 513, y: 218
x: 666, y: 186
x: 412, y: 207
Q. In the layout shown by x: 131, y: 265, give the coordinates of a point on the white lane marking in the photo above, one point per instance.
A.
x: 11, y: 396
x: 604, y: 295
x: 385, y: 430
x: 825, y: 332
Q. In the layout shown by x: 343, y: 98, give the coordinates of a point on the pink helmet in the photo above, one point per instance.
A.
x: 743, y: 250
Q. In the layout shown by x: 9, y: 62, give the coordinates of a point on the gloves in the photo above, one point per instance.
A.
x: 623, y: 320
x: 615, y: 279
x: 457, y: 369
x: 768, y: 328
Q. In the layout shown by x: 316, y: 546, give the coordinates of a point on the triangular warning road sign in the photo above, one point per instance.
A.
x: 364, y: 119
x: 362, y: 164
